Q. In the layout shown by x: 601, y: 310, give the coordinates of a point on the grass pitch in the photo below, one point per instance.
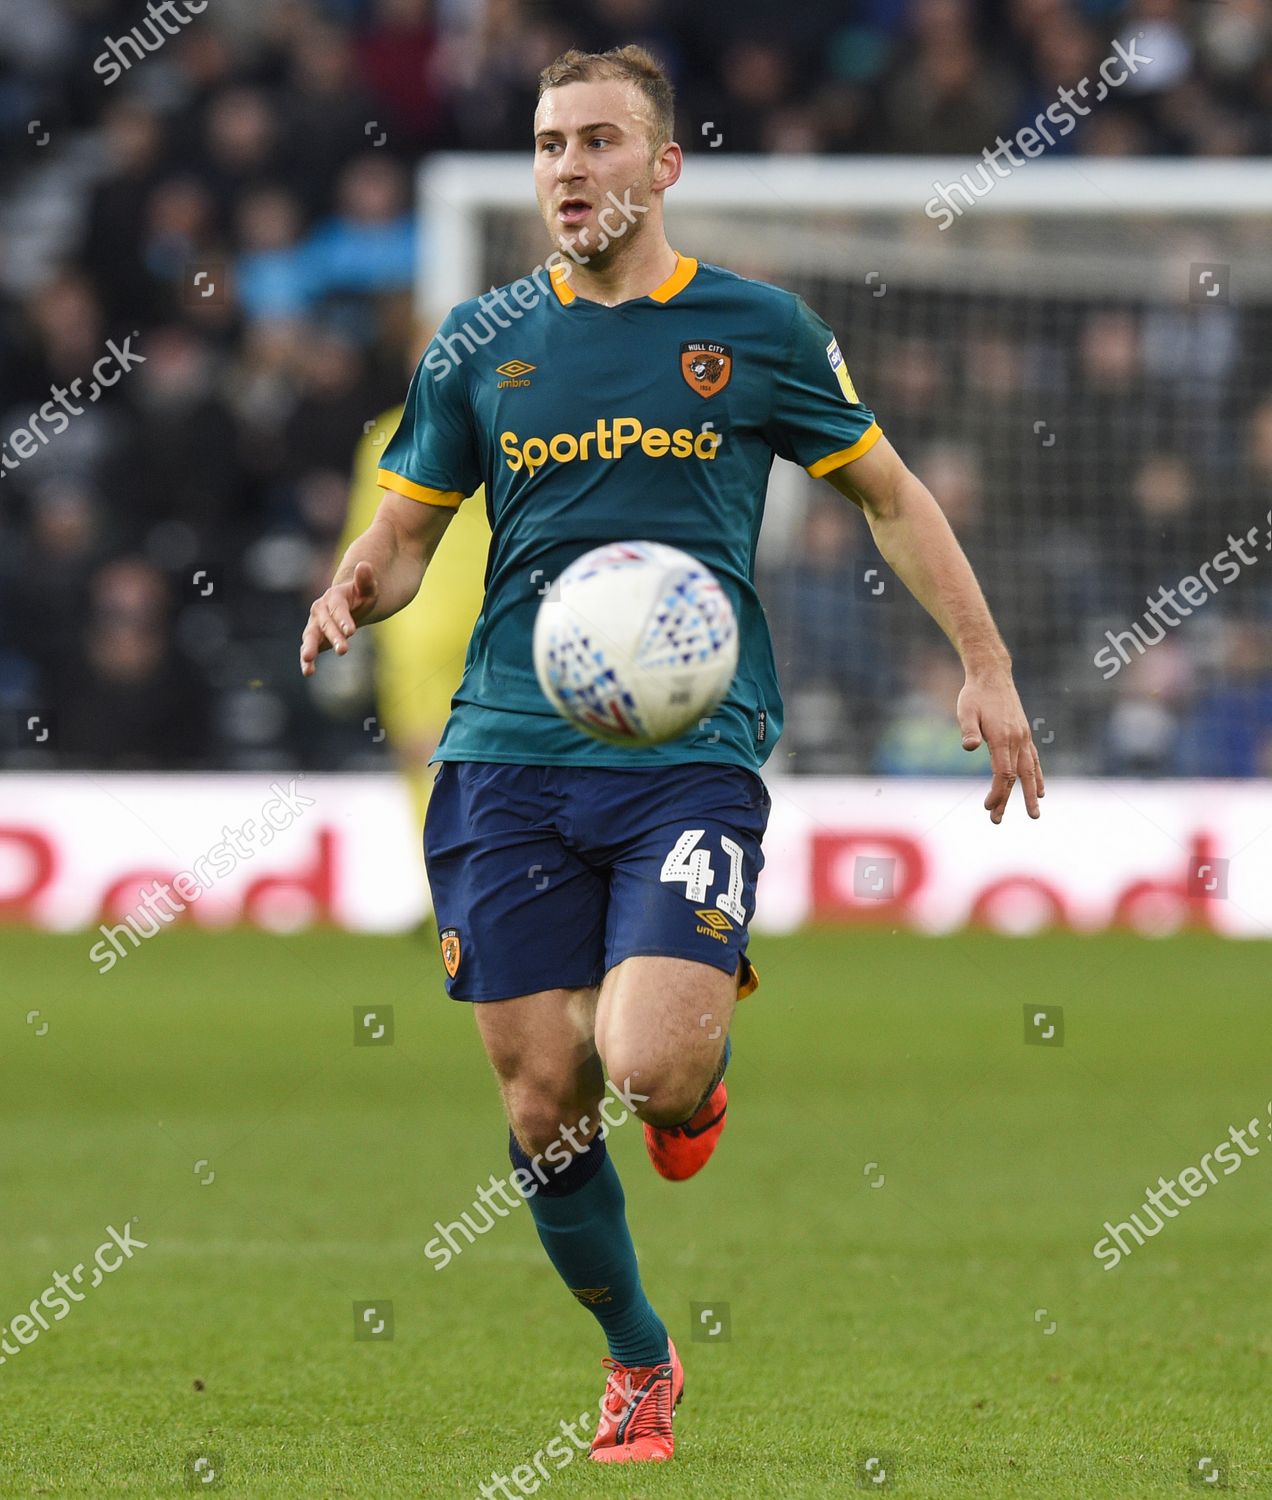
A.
x: 895, y: 1236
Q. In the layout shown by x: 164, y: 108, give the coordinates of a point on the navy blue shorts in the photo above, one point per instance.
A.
x: 545, y: 877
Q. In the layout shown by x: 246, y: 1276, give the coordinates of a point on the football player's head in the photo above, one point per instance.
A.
x: 603, y: 150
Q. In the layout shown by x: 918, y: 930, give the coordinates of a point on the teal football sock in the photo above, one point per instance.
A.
x: 581, y: 1217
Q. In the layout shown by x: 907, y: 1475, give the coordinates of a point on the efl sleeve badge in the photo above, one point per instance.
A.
x: 836, y: 358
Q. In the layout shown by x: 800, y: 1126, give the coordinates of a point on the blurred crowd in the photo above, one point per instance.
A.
x: 231, y: 188
x: 1142, y: 475
x: 266, y: 90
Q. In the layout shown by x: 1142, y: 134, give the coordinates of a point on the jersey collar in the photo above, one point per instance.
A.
x: 686, y: 270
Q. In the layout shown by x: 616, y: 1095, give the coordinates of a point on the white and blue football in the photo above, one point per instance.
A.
x: 635, y: 643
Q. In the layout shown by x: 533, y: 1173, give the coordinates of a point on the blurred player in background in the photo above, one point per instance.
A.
x: 419, y: 652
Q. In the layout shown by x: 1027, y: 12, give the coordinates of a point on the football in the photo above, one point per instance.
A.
x: 635, y: 643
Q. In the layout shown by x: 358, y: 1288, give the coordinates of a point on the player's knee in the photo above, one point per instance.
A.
x: 663, y: 1093
x: 541, y: 1114
x: 673, y: 1103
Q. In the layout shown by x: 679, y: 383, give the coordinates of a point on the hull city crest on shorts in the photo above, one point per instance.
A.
x: 706, y: 367
x: 450, y: 950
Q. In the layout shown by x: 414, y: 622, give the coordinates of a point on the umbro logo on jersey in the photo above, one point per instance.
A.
x: 514, y: 372
x: 706, y: 367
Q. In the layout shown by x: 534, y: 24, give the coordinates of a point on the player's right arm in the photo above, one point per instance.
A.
x: 380, y: 574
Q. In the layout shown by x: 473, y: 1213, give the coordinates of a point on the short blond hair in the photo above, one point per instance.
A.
x: 625, y: 65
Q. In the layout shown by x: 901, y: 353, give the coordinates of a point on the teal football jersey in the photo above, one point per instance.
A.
x: 656, y: 420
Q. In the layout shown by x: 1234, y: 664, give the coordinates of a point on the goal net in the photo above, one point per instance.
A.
x: 1079, y: 366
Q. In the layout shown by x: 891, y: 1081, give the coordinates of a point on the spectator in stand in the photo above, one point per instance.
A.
x: 326, y: 423
x: 911, y: 381
x: 133, y: 143
x: 494, y: 67
x: 1062, y: 50
x: 1162, y: 527
x: 240, y: 146
x: 368, y: 246
x: 1142, y: 735
x: 179, y: 230
x: 1230, y: 730
x: 948, y: 96
x: 271, y: 276
x: 65, y: 333
x: 759, y: 78
x: 126, y: 699
x: 179, y: 462
x: 328, y: 117
x: 1106, y: 409
x: 47, y: 593
x: 832, y: 658
x: 920, y: 737
x: 398, y: 61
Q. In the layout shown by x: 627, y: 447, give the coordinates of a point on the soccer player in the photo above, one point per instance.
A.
x: 593, y: 901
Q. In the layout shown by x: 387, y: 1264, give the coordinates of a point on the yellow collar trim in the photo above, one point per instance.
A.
x: 560, y: 277
x: 686, y: 270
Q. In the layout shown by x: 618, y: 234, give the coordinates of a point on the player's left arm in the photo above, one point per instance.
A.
x: 916, y: 541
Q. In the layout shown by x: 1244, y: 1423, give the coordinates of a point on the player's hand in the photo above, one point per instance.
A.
x: 335, y: 616
x: 989, y: 709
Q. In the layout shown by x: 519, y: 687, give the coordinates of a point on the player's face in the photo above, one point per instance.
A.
x: 592, y: 153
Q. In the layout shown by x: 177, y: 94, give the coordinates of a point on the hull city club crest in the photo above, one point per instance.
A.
x: 706, y: 367
x: 450, y: 950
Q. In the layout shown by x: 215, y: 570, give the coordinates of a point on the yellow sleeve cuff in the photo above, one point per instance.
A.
x: 863, y: 445
x: 388, y: 480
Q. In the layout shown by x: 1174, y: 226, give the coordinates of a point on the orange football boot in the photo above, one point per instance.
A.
x: 634, y: 1425
x: 680, y: 1151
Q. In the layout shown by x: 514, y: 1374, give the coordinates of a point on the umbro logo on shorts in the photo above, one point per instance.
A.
x: 713, y: 923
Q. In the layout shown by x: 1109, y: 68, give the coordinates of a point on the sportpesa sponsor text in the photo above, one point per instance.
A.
x: 611, y: 439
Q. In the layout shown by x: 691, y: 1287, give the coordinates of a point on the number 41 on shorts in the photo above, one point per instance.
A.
x: 690, y: 866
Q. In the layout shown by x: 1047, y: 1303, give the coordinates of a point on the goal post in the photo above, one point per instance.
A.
x: 1079, y: 364
x: 457, y: 191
